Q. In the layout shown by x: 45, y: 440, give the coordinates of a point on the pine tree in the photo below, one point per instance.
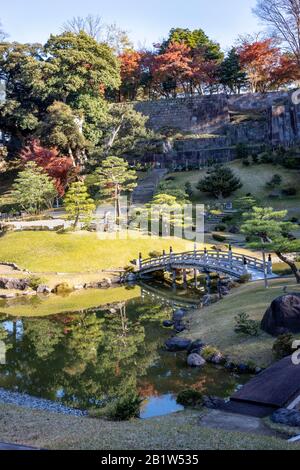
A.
x: 268, y: 229
x: 114, y: 177
x: 78, y: 203
x: 220, y: 182
x: 232, y: 76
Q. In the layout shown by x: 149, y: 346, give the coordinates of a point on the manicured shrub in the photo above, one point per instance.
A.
x: 291, y: 191
x: 63, y: 288
x: 35, y: 282
x: 190, y: 398
x: 122, y: 409
x: 245, y: 325
x: 155, y: 254
x: 283, y: 346
x: 244, y: 279
x: 219, y: 238
x: 189, y: 189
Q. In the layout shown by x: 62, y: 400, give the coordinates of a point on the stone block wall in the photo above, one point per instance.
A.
x: 271, y: 119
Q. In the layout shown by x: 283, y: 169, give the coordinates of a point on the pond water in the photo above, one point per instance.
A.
x: 83, y: 358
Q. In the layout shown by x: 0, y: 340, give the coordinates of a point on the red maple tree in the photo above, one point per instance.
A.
x: 59, y: 168
x: 260, y: 59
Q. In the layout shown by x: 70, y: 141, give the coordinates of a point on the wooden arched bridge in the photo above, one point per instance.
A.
x: 208, y: 261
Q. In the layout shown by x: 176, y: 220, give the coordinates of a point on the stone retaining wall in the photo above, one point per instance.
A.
x: 221, y: 122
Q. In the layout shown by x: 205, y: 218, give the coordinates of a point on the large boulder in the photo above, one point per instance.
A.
x: 177, y: 344
x: 195, y: 360
x: 178, y: 315
x: 283, y: 315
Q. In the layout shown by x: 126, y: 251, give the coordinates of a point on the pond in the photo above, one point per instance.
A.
x: 87, y: 356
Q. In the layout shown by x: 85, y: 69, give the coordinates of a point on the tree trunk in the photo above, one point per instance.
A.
x: 76, y: 221
x: 291, y: 264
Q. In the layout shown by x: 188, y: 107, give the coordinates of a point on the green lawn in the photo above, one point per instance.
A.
x: 82, y: 252
x: 45, y: 252
x: 180, y: 431
x: 215, y: 324
x: 39, y: 306
x: 254, y: 180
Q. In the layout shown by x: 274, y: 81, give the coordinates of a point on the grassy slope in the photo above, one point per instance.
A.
x: 80, y: 300
x: 254, y: 180
x: 215, y: 324
x: 174, y: 432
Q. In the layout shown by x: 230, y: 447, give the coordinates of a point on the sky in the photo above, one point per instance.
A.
x: 147, y: 22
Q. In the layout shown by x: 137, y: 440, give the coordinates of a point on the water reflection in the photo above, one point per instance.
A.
x: 84, y: 359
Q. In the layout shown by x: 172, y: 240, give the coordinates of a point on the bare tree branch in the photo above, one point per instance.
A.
x: 283, y: 19
x: 91, y: 25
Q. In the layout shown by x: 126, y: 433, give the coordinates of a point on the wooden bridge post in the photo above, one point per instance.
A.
x: 140, y: 261
x: 246, y: 271
x: 230, y: 256
x: 205, y: 256
x: 174, y: 278
x: 270, y: 265
x: 184, y: 276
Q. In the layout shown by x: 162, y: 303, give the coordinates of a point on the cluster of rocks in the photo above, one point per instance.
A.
x: 177, y: 321
x: 286, y: 417
x: 199, y: 353
x: 23, y: 286
x: 17, y: 284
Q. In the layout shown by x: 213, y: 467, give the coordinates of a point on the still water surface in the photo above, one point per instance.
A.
x: 84, y: 358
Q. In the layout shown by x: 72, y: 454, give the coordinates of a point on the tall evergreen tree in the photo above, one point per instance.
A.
x: 232, y: 77
x: 220, y: 182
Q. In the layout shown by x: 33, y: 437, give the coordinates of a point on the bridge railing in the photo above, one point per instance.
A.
x: 212, y: 258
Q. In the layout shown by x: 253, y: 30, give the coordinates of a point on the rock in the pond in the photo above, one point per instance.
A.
x: 168, y: 323
x: 177, y: 344
x: 195, y: 360
x: 283, y: 315
x: 179, y: 327
x: 213, y: 402
x: 42, y: 289
x: 196, y: 346
x: 286, y: 417
x: 217, y: 359
x: 178, y: 315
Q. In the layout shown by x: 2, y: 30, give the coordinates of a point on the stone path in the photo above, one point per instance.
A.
x: 145, y: 190
x: 215, y: 419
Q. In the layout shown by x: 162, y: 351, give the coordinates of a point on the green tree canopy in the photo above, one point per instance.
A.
x: 268, y: 229
x: 232, y: 77
x: 78, y: 203
x: 115, y: 177
x: 220, y: 182
x: 62, y: 128
x: 33, y: 190
x: 122, y: 130
x: 196, y: 39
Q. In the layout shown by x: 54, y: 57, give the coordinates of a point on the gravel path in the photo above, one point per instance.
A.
x: 21, y: 399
